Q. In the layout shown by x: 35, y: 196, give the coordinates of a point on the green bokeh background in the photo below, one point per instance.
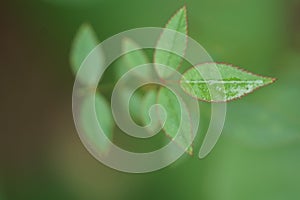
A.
x: 257, y: 157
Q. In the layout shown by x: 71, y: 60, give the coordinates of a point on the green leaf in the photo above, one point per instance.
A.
x: 172, y: 42
x: 148, y: 101
x: 169, y: 102
x: 234, y: 84
x: 105, y: 120
x: 84, y: 42
x: 134, y: 58
x: 134, y: 106
x: 134, y: 103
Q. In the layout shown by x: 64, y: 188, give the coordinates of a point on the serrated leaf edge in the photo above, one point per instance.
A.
x: 233, y: 66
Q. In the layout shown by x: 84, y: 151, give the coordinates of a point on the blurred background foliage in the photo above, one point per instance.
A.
x: 257, y: 157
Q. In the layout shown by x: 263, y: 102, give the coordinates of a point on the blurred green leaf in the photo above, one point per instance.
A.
x: 133, y: 59
x: 105, y: 120
x: 172, y: 41
x: 134, y: 106
x: 237, y: 82
x: 148, y: 100
x: 84, y: 42
x: 129, y: 105
x: 134, y: 103
x: 175, y: 112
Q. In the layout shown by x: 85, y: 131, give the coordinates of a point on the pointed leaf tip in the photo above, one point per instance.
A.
x: 170, y: 42
x: 234, y: 83
x: 84, y: 42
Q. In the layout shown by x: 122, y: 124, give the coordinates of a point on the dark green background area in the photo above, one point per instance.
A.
x: 257, y: 156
